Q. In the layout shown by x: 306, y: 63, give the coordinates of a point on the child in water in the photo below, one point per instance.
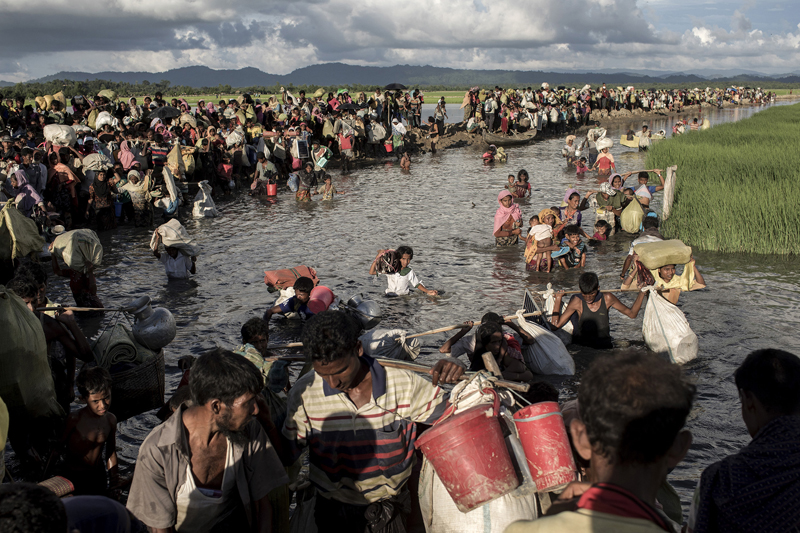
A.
x: 580, y: 166
x: 576, y: 256
x: 404, y: 279
x: 511, y: 186
x: 89, y: 432
x: 405, y: 161
x: 176, y: 264
x: 601, y: 230
x: 327, y: 190
x: 521, y: 188
x: 539, y: 235
x: 297, y: 303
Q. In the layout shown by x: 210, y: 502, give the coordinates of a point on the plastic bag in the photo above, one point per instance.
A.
x: 547, y: 355
x: 104, y: 118
x: 665, y: 329
x: 78, y: 249
x: 60, y: 134
x: 390, y: 343
x: 203, y: 203
x: 657, y: 254
x: 176, y: 236
x: 19, y: 235
x: 25, y: 382
x: 565, y: 332
x: 294, y: 182
x: 631, y: 217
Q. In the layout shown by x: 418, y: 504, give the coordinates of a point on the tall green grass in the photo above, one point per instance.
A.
x: 738, y: 186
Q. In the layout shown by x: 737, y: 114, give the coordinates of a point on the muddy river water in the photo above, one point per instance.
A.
x: 444, y: 209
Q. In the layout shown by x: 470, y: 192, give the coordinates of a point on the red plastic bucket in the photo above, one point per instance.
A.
x: 470, y: 457
x: 321, y: 298
x: 544, y: 440
x: 272, y: 189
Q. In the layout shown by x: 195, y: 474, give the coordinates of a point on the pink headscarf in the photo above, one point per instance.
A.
x: 210, y: 108
x: 569, y: 193
x: 126, y: 157
x: 503, y: 212
x: 611, y: 179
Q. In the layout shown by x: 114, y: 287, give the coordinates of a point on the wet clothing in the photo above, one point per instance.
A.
x: 293, y: 305
x: 402, y: 282
x: 593, y: 328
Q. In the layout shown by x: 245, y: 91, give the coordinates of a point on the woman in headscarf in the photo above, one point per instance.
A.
x: 126, y: 157
x: 101, y: 197
x: 134, y: 110
x: 25, y: 196
x: 507, y: 220
x: 138, y: 187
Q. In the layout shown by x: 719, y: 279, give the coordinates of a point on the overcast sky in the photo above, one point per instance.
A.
x: 42, y: 37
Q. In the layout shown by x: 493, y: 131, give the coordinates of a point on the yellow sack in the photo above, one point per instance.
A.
x: 61, y: 98
x: 78, y: 249
x: 108, y: 93
x: 91, y: 120
x: 631, y: 217
x: 175, y: 161
x: 187, y: 154
x: 655, y: 255
x: 25, y: 383
x: 41, y: 103
x: 48, y: 98
x: 19, y: 235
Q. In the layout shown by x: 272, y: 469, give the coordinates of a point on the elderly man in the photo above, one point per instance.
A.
x: 210, y: 466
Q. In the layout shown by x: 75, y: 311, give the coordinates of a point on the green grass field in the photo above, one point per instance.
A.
x: 738, y: 187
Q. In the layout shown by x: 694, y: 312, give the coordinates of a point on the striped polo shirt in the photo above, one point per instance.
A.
x: 360, y: 456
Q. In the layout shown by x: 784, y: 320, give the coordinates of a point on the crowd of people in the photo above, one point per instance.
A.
x: 236, y: 432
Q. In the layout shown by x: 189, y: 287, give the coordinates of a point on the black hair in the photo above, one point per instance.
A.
x: 261, y: 156
x: 521, y: 173
x: 644, y: 174
x: 772, y: 376
x: 486, y: 330
x: 93, y: 380
x: 223, y: 375
x: 430, y: 119
x: 602, y: 224
x: 30, y: 508
x: 572, y: 229
x: 182, y: 396
x: 159, y: 138
x: 23, y: 285
x: 403, y: 250
x: 588, y: 282
x: 541, y: 391
x: 253, y: 328
x: 34, y: 270
x: 303, y: 284
x: 330, y: 336
x: 634, y: 405
x: 650, y: 222
x: 491, y: 317
x: 574, y: 194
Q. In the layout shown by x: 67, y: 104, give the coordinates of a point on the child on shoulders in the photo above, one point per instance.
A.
x: 573, y: 251
x: 401, y: 279
x: 539, y: 235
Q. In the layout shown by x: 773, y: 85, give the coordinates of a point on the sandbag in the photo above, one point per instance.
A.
x: 390, y: 343
x: 59, y: 96
x: 60, y: 134
x: 175, y: 161
x: 665, y: 329
x: 176, y: 236
x: 19, y: 235
x: 546, y: 356
x: 655, y: 255
x: 48, y: 98
x: 96, y: 161
x: 187, y: 118
x: 204, y: 206
x: 104, y: 118
x: 108, y: 93
x: 41, y: 103
x: 631, y: 217
x: 174, y: 200
x: 285, y: 278
x: 25, y: 382
x: 91, y: 118
x: 79, y: 249
x: 293, y: 182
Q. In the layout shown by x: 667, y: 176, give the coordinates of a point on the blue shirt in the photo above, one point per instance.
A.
x: 293, y: 305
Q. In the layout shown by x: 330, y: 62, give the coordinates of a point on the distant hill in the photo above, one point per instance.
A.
x: 340, y: 74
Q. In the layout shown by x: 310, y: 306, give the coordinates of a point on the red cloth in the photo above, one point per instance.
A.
x: 612, y: 499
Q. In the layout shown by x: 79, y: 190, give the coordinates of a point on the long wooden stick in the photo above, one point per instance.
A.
x: 107, y: 309
x: 290, y: 345
x: 459, y: 326
x: 579, y: 292
x: 416, y: 367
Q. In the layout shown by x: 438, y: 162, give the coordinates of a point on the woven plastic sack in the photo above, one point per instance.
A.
x: 78, y: 249
x: 96, y: 162
x: 390, y: 343
x: 666, y: 330
x: 175, y: 235
x: 104, y: 118
x: 19, y: 235
x: 657, y: 254
x: 60, y: 134
x: 548, y: 355
x: 565, y: 332
x: 203, y: 203
x: 25, y: 382
x: 108, y: 93
x: 631, y: 217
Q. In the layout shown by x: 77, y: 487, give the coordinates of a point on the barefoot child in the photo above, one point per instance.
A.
x: 404, y: 280
x: 89, y: 432
x: 539, y: 236
x: 405, y: 162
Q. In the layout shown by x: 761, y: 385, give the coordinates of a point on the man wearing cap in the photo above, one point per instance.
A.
x: 8, y: 151
x: 36, y: 172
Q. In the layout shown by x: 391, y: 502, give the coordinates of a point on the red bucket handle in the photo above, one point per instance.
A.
x: 451, y: 410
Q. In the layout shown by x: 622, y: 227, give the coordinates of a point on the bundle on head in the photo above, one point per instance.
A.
x: 389, y: 262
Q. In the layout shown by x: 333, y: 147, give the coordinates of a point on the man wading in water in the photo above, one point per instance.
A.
x: 591, y: 307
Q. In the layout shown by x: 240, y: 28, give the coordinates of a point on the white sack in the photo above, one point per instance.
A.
x: 78, y: 249
x: 547, y: 355
x: 103, y: 118
x: 203, y: 203
x: 60, y: 134
x: 175, y: 235
x: 665, y: 329
x: 96, y: 162
x: 171, y: 203
x: 383, y: 343
x: 605, y: 142
x: 565, y: 332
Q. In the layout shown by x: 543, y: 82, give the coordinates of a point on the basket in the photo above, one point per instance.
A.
x: 139, y: 389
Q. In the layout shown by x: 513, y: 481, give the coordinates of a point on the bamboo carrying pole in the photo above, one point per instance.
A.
x: 83, y: 309
x: 579, y: 292
x: 416, y: 367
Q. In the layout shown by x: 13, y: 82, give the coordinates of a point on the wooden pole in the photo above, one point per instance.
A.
x: 491, y: 364
x: 416, y: 367
x: 459, y: 326
x: 106, y: 309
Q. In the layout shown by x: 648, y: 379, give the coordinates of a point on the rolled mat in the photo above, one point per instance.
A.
x: 116, y: 346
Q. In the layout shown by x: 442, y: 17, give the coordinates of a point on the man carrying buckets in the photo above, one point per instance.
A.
x: 633, y: 408
x: 359, y: 422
